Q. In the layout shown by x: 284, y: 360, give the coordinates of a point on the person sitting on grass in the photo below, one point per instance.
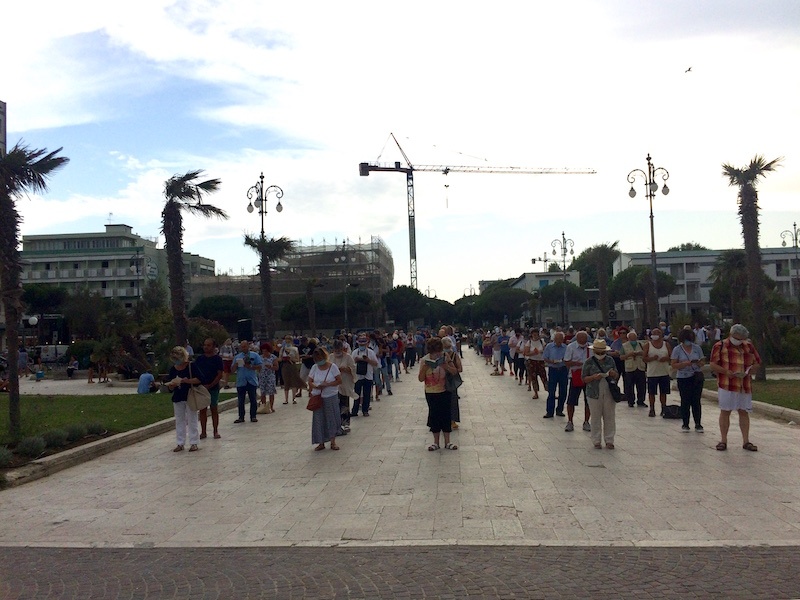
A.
x: 147, y: 383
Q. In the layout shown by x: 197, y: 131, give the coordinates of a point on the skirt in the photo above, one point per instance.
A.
x: 291, y: 376
x: 327, y: 421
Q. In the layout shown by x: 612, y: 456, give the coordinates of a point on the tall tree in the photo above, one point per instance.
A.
x: 729, y: 275
x: 22, y: 170
x: 269, y: 250
x: 183, y: 193
x: 746, y: 180
x: 602, y: 256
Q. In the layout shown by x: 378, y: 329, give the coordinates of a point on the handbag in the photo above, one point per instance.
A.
x: 453, y: 382
x: 613, y: 388
x: 198, y: 397
x: 315, y: 400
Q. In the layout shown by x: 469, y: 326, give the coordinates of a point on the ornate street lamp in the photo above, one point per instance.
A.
x: 651, y: 187
x: 566, y: 248
x: 793, y: 234
x: 257, y: 196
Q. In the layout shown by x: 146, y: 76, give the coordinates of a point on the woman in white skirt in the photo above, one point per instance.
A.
x: 324, y: 379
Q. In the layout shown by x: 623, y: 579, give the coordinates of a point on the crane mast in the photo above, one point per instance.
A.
x: 364, y: 170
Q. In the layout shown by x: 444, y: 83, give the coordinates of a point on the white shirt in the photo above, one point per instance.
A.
x: 576, y: 353
x: 318, y: 376
x: 370, y: 354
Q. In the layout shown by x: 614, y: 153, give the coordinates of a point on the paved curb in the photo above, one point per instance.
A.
x: 44, y: 467
x: 762, y: 408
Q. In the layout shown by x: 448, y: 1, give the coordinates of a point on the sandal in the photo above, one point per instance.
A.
x: 451, y: 447
x: 193, y: 448
x: 217, y: 436
x: 751, y: 447
x: 178, y: 448
x: 320, y: 447
x: 334, y: 447
x: 287, y: 402
x: 433, y: 447
x: 598, y: 446
x: 722, y: 446
x: 610, y: 446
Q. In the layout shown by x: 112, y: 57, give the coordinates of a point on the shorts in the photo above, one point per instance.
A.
x: 226, y: 365
x: 735, y: 400
x: 214, y: 397
x: 496, y: 356
x: 655, y: 384
x: 575, y: 394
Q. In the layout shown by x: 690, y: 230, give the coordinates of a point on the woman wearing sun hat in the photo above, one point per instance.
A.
x: 601, y: 403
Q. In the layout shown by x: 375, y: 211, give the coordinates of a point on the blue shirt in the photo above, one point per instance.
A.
x: 244, y: 375
x: 681, y: 354
x: 145, y: 379
x: 554, y: 353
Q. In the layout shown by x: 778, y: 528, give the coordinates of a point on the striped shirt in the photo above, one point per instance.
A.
x: 736, y: 359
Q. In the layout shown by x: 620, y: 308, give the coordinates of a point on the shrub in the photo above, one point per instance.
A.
x: 95, y: 428
x: 55, y: 438
x: 31, y: 446
x: 76, y: 432
x: 5, y: 456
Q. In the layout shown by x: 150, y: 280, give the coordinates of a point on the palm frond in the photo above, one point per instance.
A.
x: 205, y: 210
x: 25, y: 170
x: 185, y: 188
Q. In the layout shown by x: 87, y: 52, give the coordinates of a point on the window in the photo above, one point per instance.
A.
x: 676, y: 271
x: 693, y: 291
x: 46, y: 266
x: 75, y: 266
x: 133, y: 284
x: 692, y: 268
x: 104, y: 264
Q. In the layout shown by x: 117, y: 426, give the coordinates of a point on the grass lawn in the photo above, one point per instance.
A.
x: 117, y: 413
x: 780, y: 392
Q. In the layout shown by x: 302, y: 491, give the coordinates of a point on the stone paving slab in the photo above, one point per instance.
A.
x: 441, y: 572
x: 516, y: 479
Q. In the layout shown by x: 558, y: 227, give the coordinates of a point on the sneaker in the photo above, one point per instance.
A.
x: 560, y: 414
x: 366, y: 414
x: 569, y: 427
x: 699, y: 428
x: 239, y: 421
x: 396, y: 379
x: 685, y: 428
x: 586, y: 426
x: 547, y: 417
x: 641, y: 404
x: 389, y: 393
x: 254, y: 420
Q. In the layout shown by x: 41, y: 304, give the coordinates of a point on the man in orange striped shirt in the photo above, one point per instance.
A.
x: 733, y: 360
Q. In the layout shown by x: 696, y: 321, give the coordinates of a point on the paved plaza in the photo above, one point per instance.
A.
x: 522, y: 509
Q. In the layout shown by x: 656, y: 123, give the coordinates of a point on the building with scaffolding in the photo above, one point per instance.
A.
x: 343, y: 281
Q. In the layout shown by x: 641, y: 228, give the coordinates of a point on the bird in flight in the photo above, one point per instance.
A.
x: 687, y: 70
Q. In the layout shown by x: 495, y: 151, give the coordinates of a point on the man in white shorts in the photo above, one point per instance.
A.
x: 733, y: 360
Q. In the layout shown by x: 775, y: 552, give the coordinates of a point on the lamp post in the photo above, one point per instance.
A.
x: 430, y: 294
x: 135, y: 268
x: 345, y: 260
x: 470, y: 291
x: 793, y: 234
x: 566, y: 246
x: 651, y: 187
x: 257, y: 196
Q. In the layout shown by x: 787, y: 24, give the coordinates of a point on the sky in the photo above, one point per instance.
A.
x: 135, y: 92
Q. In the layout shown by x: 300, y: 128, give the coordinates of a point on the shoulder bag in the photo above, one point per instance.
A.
x: 198, y: 397
x: 616, y: 393
x: 315, y: 400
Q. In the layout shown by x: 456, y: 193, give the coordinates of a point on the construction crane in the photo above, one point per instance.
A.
x: 364, y: 170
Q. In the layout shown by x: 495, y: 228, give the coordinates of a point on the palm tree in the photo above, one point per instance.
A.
x: 603, y: 257
x: 746, y: 179
x: 183, y: 192
x: 269, y: 250
x: 729, y: 275
x: 22, y: 170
